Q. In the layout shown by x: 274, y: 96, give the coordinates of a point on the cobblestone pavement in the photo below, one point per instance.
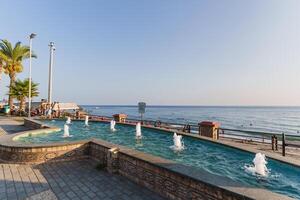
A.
x: 67, y: 180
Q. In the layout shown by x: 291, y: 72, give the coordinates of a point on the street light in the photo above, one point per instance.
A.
x: 31, y: 36
x: 52, y: 49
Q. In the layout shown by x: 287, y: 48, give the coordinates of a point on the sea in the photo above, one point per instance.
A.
x: 254, y: 118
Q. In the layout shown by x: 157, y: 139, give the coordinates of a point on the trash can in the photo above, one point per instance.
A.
x: 120, y: 117
x: 209, y: 129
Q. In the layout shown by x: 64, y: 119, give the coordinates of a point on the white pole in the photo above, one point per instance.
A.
x: 52, y: 48
x: 32, y: 35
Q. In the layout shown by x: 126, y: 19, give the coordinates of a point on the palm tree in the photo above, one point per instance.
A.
x: 1, y: 67
x: 12, y: 58
x: 20, y: 89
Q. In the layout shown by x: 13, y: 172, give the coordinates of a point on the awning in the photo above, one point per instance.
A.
x: 65, y: 106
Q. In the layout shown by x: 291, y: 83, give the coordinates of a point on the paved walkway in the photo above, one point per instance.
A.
x: 11, y: 125
x: 67, y: 180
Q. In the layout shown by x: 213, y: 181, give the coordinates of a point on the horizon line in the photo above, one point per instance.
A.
x: 176, y: 105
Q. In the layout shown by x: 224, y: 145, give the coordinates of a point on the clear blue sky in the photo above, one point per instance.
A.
x: 170, y: 52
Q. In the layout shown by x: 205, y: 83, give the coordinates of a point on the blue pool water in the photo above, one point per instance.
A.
x: 214, y: 158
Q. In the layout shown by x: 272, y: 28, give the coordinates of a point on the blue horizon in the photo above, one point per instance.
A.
x: 222, y: 106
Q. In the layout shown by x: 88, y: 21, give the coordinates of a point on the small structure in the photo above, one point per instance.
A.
x: 65, y: 106
x: 121, y: 117
x: 80, y: 114
x: 59, y: 108
x: 209, y: 129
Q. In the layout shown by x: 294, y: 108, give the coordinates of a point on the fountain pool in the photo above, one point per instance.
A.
x: 214, y: 158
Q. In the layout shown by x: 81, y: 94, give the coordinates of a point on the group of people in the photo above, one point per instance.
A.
x: 46, y: 109
x: 49, y: 110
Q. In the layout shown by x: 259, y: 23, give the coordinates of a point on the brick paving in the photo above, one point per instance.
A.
x: 67, y: 180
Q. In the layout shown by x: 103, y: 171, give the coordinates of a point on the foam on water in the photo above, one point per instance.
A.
x: 66, y: 131
x: 138, y: 131
x: 86, y: 121
x: 178, y: 143
x: 260, y: 165
x: 112, y: 125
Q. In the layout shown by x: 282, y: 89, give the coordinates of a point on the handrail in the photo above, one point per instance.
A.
x: 260, y: 133
x: 227, y: 131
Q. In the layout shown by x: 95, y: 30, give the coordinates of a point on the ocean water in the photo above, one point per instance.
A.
x: 213, y: 158
x: 268, y: 119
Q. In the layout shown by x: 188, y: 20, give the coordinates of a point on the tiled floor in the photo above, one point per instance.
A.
x: 67, y: 180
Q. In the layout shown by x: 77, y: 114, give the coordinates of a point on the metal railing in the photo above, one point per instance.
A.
x: 273, y: 138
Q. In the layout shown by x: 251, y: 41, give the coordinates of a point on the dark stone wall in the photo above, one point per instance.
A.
x: 11, y: 154
x: 157, y: 177
x: 169, y: 183
x: 98, y: 152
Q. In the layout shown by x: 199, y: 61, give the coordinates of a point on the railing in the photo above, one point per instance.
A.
x: 272, y: 138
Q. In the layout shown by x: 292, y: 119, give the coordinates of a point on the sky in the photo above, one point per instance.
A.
x: 196, y: 52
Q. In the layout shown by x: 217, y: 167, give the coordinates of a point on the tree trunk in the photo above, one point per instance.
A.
x: 11, y: 83
x: 1, y: 69
x: 22, y: 104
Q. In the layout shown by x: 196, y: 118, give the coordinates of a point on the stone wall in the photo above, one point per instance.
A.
x: 99, y: 152
x: 39, y: 154
x: 170, y: 179
x: 169, y: 183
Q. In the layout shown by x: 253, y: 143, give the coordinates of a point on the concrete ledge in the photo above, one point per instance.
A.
x: 35, y: 132
x: 33, y: 124
x: 2, y: 131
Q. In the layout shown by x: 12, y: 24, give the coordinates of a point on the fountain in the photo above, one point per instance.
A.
x: 178, y: 143
x: 66, y: 131
x: 138, y: 132
x: 260, y: 165
x: 112, y: 125
x: 68, y: 120
x: 86, y: 122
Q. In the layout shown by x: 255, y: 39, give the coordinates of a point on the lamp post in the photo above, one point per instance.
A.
x: 52, y: 49
x: 31, y: 36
